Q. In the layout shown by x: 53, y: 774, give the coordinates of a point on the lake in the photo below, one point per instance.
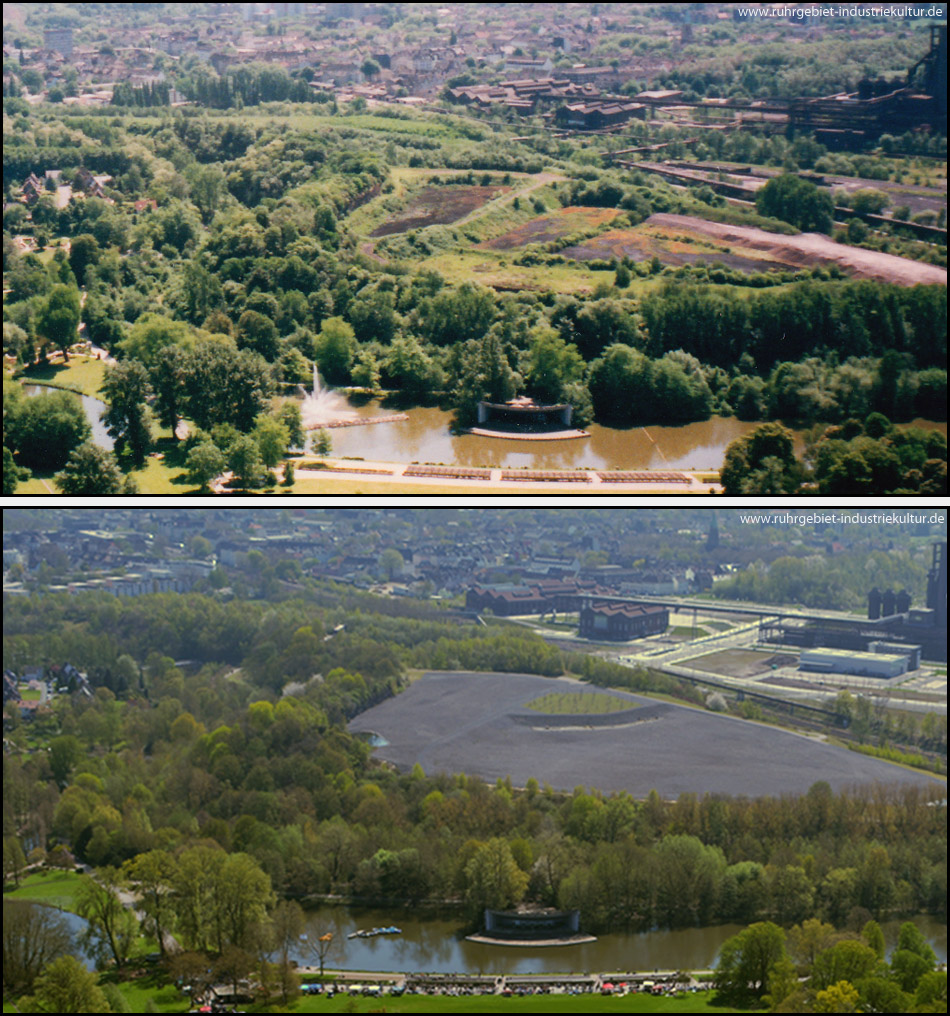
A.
x: 435, y: 944
x: 426, y: 437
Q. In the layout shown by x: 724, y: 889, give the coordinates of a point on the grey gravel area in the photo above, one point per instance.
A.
x: 476, y: 723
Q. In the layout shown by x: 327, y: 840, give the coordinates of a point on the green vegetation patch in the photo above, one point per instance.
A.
x: 693, y: 1003
x: 689, y: 631
x: 558, y: 224
x: 486, y: 268
x: 83, y: 374
x: 734, y: 662
x: 58, y: 889
x: 913, y: 760
x: 164, y: 997
x: 160, y: 477
x: 579, y: 703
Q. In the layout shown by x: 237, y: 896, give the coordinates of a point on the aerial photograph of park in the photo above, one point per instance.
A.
x: 439, y: 759
x: 496, y: 250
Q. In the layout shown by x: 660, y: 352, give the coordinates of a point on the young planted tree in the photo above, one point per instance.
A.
x: 322, y: 946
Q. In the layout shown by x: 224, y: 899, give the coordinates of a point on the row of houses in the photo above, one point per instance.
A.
x: 83, y: 182
x: 336, y: 39
x: 582, y: 105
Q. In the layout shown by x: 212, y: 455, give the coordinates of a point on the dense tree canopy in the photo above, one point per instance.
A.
x: 44, y: 429
x: 800, y: 202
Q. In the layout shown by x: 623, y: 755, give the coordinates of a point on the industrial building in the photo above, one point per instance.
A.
x: 614, y: 620
x: 843, y: 661
x: 848, y: 120
x: 891, y: 619
x: 511, y: 599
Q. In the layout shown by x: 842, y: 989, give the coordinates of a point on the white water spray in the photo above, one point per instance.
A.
x: 323, y: 406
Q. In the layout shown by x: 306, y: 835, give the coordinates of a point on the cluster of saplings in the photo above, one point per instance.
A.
x: 254, y: 767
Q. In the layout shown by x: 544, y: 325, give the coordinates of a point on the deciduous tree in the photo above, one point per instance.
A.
x: 794, y: 200
x: 67, y: 986
x: 111, y: 927
x: 33, y: 936
x: 204, y: 462
x: 126, y: 389
x: 746, y: 961
x: 44, y: 429
x: 58, y: 319
x: 493, y: 879
x: 92, y: 470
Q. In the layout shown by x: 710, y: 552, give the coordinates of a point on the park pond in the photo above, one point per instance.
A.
x: 426, y: 437
x: 437, y: 945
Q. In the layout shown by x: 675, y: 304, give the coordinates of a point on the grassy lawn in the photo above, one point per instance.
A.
x: 36, y: 486
x: 156, y: 477
x: 159, y: 476
x: 578, y: 703
x: 342, y: 485
x: 689, y: 631
x: 164, y: 997
x: 57, y: 888
x: 82, y: 374
x: 696, y: 1003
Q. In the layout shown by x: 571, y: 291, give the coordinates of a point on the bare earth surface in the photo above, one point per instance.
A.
x: 564, y: 221
x: 480, y: 724
x: 807, y: 250
x: 438, y: 206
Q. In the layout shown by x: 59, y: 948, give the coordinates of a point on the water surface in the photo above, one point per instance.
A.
x: 426, y: 437
x: 436, y: 944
